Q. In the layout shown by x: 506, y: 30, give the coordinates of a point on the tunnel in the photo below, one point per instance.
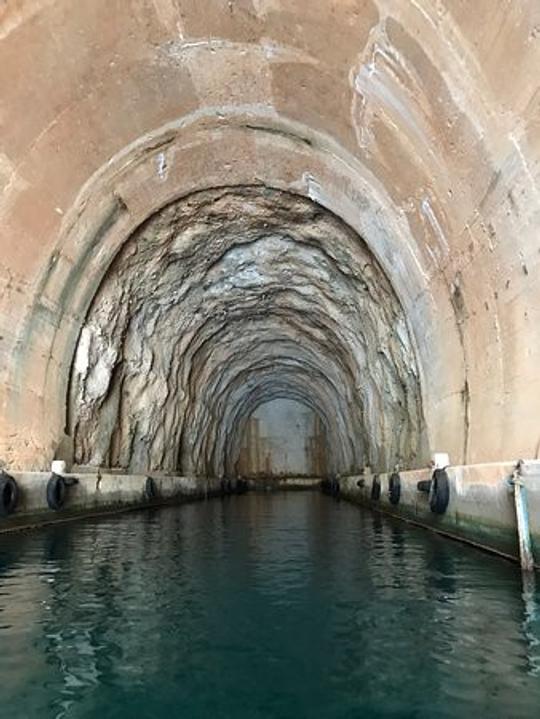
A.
x: 261, y: 237
x: 269, y: 359
x: 225, y: 300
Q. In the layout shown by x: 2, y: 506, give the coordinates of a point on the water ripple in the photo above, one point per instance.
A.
x: 275, y: 606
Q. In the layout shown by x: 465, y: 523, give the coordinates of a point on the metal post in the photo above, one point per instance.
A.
x: 522, y: 517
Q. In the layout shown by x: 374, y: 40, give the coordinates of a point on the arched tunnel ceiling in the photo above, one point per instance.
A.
x: 223, y: 300
x: 415, y: 124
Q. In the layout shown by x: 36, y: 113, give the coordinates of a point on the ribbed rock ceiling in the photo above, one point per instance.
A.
x: 223, y: 301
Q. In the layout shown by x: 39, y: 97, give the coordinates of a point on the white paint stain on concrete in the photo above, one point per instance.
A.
x: 431, y: 217
x: 162, y: 166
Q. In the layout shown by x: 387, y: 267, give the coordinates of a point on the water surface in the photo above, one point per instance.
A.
x: 276, y: 606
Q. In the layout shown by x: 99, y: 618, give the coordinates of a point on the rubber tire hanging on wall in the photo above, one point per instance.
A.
x: 56, y: 492
x: 375, y: 488
x: 241, y: 486
x: 150, y: 489
x: 330, y: 486
x: 394, y: 488
x: 440, y: 492
x: 9, y: 494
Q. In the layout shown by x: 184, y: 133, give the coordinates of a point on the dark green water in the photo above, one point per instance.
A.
x: 285, y: 606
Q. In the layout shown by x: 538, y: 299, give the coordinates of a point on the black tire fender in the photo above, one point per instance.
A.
x: 56, y: 492
x: 440, y: 492
x: 375, y: 488
x: 394, y: 488
x: 327, y: 486
x: 241, y: 486
x: 150, y: 489
x: 9, y: 494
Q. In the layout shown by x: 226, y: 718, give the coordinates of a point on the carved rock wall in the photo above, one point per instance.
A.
x: 228, y: 299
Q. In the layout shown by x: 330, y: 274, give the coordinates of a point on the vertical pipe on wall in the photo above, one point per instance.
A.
x: 522, y: 517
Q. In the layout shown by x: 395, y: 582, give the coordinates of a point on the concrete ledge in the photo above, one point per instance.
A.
x: 96, y: 494
x: 481, y: 508
x: 284, y: 483
x: 480, y: 511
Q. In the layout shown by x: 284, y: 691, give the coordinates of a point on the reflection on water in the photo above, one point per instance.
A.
x: 283, y: 606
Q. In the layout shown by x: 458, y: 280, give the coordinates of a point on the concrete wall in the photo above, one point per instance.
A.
x: 481, y: 508
x: 97, y: 494
x: 480, y: 511
x: 273, y: 484
x: 283, y: 437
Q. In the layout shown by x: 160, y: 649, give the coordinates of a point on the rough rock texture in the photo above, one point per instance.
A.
x: 223, y: 301
x: 417, y: 124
